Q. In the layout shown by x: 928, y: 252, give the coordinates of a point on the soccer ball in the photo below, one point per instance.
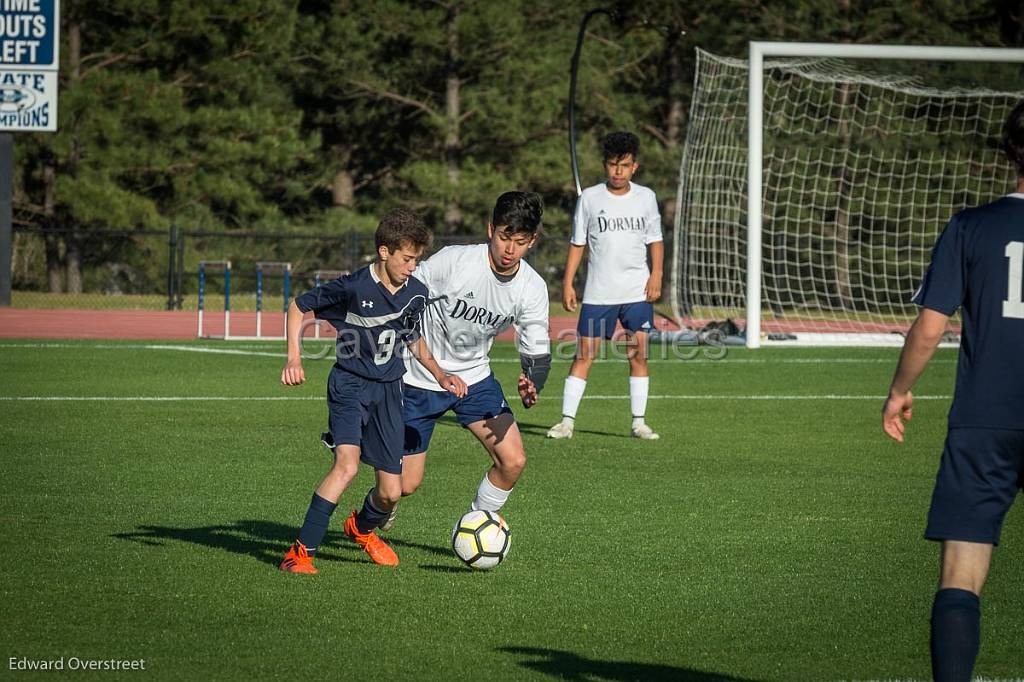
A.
x: 481, y: 539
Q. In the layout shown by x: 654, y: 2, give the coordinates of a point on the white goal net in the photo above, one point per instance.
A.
x: 860, y: 173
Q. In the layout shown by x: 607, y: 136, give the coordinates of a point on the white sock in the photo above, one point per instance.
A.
x: 572, y: 394
x: 638, y: 398
x: 489, y: 497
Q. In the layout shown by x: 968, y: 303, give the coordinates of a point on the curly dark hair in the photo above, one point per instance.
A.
x: 1013, y: 138
x: 401, y: 227
x: 518, y: 212
x: 617, y: 145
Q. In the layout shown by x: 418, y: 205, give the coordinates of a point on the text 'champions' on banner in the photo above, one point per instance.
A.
x: 29, y: 58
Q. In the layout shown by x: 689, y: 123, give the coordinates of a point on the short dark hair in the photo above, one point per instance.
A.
x: 401, y: 227
x: 618, y: 145
x: 1013, y: 138
x: 518, y: 212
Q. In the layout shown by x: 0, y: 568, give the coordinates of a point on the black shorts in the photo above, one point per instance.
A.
x: 368, y: 414
x: 979, y: 476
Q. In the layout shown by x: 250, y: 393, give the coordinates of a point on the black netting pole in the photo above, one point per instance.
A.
x: 572, y: 93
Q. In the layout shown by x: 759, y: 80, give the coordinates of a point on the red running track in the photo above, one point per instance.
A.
x: 27, y: 323
x: 22, y: 323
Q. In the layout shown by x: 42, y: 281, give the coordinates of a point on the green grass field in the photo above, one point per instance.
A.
x: 772, y: 533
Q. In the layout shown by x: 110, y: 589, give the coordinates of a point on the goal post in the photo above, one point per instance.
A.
x: 812, y: 188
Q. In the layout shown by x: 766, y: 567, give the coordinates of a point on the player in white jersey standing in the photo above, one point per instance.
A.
x: 477, y: 292
x: 618, y: 221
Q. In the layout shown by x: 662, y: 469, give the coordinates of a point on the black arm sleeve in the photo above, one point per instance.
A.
x: 536, y: 368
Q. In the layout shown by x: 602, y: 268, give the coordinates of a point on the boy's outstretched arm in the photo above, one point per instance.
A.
x: 293, y: 374
x: 922, y: 340
x: 533, y: 377
x: 448, y: 382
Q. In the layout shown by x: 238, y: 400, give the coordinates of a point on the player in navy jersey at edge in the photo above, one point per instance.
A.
x: 977, y: 266
x: 373, y: 310
x: 481, y: 290
x: 618, y: 222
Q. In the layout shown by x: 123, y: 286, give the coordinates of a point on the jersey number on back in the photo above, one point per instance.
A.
x: 385, y: 346
x: 1013, y: 306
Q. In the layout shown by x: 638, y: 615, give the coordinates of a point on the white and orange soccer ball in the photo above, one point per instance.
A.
x: 481, y: 539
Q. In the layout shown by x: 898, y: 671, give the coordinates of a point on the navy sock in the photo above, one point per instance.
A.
x: 956, y: 634
x: 369, y: 517
x: 315, y: 526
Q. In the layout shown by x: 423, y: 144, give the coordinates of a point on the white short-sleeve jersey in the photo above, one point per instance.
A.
x: 469, y: 307
x: 616, y: 229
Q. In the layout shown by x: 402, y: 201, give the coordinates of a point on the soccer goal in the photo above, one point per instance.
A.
x: 813, y: 186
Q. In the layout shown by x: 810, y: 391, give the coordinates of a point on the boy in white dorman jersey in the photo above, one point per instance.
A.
x: 618, y: 221
x: 477, y: 292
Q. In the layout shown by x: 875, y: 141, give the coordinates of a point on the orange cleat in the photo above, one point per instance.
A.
x: 297, y: 560
x: 374, y: 546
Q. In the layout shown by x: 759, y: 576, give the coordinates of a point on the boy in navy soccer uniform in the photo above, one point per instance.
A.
x: 977, y: 266
x: 373, y: 310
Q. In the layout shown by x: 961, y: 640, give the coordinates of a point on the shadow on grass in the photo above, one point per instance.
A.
x: 448, y: 568
x: 542, y: 430
x: 433, y: 549
x: 569, y: 666
x: 265, y: 541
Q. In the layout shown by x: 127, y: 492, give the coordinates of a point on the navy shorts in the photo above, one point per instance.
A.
x: 368, y: 414
x: 980, y: 474
x: 484, y: 400
x: 598, y: 321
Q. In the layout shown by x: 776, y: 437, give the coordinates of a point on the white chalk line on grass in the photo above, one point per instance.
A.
x: 228, y: 398
x: 690, y: 361
x: 145, y: 346
x: 222, y: 351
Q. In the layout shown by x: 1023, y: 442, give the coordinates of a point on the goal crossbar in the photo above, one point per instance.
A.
x: 758, y: 52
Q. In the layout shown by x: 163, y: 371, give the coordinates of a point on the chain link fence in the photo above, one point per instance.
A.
x: 149, y: 269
